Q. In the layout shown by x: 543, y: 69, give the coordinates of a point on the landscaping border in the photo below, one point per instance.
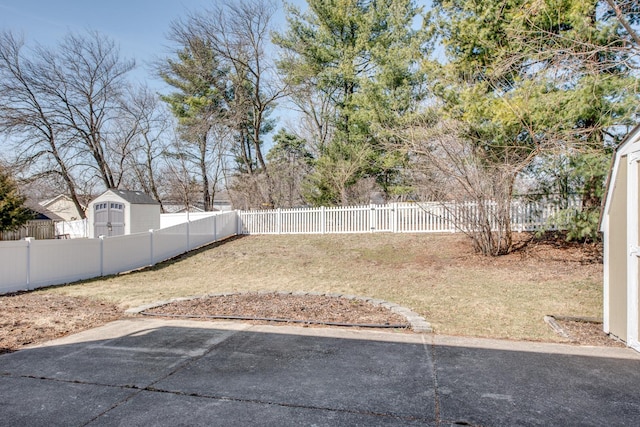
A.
x: 417, y: 322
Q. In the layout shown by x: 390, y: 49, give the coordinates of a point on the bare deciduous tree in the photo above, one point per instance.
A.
x: 238, y: 33
x: 149, y: 127
x: 458, y: 170
x: 62, y: 108
x: 87, y: 81
x: 28, y: 118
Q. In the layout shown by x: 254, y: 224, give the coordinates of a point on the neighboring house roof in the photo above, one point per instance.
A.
x: 42, y: 213
x: 64, y: 206
x: 48, y: 202
x: 134, y: 197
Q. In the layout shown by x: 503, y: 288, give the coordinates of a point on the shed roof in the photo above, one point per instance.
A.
x: 134, y: 197
x: 622, y: 149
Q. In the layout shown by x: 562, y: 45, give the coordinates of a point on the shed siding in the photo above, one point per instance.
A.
x: 618, y: 254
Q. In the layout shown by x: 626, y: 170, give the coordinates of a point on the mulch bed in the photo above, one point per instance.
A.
x: 34, y: 317
x: 586, y: 332
x: 276, y: 307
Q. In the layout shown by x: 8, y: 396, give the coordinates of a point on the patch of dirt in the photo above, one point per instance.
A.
x: 549, y: 247
x: 30, y: 318
x: 33, y: 317
x: 587, y: 333
x: 308, y: 309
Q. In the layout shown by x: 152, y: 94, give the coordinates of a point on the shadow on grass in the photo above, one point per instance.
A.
x: 159, y: 266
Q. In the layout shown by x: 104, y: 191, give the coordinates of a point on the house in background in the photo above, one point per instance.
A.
x: 620, y: 225
x: 63, y: 206
x: 41, y: 226
x: 118, y: 212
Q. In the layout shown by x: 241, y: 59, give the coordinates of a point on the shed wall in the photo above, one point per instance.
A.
x: 618, y: 254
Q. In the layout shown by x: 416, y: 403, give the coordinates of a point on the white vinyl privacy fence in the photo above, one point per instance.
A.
x: 431, y: 217
x: 30, y: 264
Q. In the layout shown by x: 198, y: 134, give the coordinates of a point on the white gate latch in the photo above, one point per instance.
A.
x: 634, y: 250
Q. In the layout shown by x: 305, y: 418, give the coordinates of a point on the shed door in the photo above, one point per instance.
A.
x: 108, y: 219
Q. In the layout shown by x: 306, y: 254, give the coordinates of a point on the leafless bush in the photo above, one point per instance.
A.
x: 450, y: 167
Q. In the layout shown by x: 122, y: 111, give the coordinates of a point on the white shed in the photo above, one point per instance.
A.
x: 117, y: 212
x: 620, y: 225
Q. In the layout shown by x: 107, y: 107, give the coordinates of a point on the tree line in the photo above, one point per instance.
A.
x: 469, y: 100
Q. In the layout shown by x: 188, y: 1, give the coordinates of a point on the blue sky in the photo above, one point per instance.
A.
x: 139, y: 27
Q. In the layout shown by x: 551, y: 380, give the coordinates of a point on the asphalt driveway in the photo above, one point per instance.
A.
x: 160, y: 372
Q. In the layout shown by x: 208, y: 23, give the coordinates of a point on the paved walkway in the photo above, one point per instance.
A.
x: 159, y: 372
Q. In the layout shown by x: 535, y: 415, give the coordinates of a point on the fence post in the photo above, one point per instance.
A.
x: 188, y: 236
x: 279, y: 221
x: 238, y: 223
x: 101, y: 237
x: 323, y: 220
x: 453, y: 219
x: 215, y: 228
x: 151, y: 260
x: 29, y: 240
x: 393, y: 217
x: 372, y: 218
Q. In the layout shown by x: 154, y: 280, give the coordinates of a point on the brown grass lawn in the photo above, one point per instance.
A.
x: 438, y: 276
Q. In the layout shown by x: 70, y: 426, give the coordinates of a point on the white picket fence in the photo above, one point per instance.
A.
x: 430, y: 217
x: 30, y: 264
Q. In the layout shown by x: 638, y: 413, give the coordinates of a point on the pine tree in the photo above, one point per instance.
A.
x: 13, y: 214
x: 362, y: 56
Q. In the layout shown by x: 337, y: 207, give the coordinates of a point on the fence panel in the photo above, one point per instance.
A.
x: 72, y: 229
x: 300, y: 221
x: 169, y: 220
x: 382, y: 218
x: 259, y: 222
x: 38, y: 229
x: 430, y: 217
x: 226, y: 225
x: 124, y: 253
x: 202, y: 232
x: 47, y: 262
x: 54, y: 262
x: 349, y: 219
x: 14, y: 262
x: 170, y: 242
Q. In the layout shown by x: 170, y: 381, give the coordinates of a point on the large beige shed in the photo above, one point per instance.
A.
x: 118, y: 212
x: 620, y: 225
